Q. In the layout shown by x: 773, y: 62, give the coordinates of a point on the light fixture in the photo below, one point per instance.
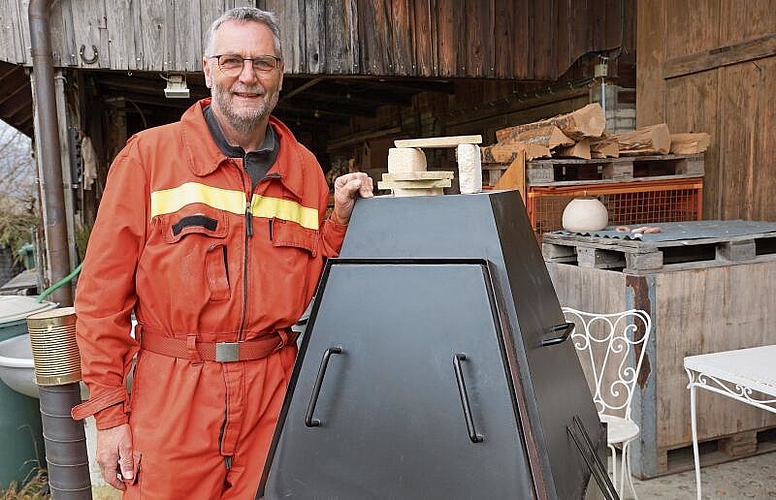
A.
x: 176, y: 87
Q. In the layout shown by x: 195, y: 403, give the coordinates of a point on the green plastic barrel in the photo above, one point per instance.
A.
x: 21, y: 433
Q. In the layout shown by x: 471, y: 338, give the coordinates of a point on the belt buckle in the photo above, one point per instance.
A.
x: 227, y: 352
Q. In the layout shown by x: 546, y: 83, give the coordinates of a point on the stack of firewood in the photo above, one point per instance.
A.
x: 581, y: 134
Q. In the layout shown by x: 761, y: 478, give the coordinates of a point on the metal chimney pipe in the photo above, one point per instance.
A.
x: 51, y: 164
x: 57, y: 374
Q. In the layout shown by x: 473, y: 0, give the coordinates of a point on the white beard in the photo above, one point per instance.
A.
x: 246, y: 121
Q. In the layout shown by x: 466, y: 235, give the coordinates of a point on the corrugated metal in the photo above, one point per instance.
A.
x: 677, y: 231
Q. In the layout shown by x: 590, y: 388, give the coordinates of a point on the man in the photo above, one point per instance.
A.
x: 213, y: 231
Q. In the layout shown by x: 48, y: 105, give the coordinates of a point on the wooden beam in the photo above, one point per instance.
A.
x: 514, y: 104
x: 361, y: 137
x: 11, y: 95
x: 21, y: 105
x: 317, y: 112
x: 757, y: 48
x: 301, y: 88
x: 363, y: 99
x: 438, y: 142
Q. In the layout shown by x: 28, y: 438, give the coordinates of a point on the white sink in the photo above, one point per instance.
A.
x: 17, y: 369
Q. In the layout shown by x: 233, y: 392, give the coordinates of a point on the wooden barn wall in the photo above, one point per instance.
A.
x: 710, y: 66
x: 515, y: 39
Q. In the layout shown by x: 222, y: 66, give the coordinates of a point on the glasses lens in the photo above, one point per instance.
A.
x: 264, y: 63
x: 230, y: 63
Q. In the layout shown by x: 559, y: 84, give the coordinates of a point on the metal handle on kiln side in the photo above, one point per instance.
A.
x: 565, y: 330
x: 467, y: 411
x: 309, y: 421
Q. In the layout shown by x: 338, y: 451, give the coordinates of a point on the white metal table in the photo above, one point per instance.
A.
x: 736, y: 374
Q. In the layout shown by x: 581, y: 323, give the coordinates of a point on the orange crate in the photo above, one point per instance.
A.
x: 640, y: 202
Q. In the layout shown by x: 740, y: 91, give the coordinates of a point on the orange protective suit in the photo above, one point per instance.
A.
x: 181, y: 240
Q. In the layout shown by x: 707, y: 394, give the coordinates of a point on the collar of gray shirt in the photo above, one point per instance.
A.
x: 257, y: 163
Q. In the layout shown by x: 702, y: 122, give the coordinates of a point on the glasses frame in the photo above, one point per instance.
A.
x: 217, y: 57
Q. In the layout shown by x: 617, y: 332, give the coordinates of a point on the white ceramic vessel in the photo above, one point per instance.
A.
x: 583, y: 215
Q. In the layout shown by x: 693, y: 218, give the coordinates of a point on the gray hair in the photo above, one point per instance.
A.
x: 246, y: 14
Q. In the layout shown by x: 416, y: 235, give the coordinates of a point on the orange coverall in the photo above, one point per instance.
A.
x: 181, y: 240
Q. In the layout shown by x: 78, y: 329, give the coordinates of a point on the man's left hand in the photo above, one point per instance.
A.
x: 347, y: 188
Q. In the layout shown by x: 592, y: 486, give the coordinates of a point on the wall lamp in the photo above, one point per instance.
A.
x: 176, y: 87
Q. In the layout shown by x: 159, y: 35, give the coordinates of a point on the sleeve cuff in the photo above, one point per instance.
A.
x: 334, y: 236
x: 107, y: 408
x: 111, y: 417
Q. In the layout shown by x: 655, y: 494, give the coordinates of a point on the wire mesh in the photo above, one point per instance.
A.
x: 628, y: 203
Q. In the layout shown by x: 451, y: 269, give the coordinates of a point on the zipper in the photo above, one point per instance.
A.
x: 248, y: 236
x: 248, y: 219
x: 246, y: 240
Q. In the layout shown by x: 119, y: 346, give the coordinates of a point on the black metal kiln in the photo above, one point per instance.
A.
x: 434, y: 366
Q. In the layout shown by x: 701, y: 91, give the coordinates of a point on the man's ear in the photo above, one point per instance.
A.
x: 206, y: 71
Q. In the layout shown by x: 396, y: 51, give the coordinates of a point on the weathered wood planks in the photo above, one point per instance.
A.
x: 415, y: 38
x: 713, y: 61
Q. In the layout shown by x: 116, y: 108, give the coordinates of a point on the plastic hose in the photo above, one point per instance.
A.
x: 59, y: 284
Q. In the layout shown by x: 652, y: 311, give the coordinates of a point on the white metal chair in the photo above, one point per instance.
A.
x: 611, y: 349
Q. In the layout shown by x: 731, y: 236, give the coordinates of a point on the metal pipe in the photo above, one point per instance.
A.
x: 57, y: 374
x: 65, y: 440
x: 48, y: 144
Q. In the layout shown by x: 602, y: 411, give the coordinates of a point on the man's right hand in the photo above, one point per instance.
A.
x: 115, y: 457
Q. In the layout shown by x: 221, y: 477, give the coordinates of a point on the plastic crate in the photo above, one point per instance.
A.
x: 639, y: 202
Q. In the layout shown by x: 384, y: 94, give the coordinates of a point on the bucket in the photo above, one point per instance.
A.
x: 21, y: 433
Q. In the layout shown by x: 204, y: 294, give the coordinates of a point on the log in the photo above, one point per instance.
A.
x: 688, y: 144
x: 650, y: 140
x: 548, y: 136
x: 507, y: 152
x: 579, y: 150
x: 604, y: 148
x: 584, y: 122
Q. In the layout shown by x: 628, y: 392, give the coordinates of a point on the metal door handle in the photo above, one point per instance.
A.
x: 565, y: 330
x: 467, y: 411
x: 309, y: 421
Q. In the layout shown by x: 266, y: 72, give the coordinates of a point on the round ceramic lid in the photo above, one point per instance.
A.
x: 18, y: 307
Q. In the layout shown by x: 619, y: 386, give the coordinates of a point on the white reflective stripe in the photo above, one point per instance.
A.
x: 262, y: 206
x: 171, y: 200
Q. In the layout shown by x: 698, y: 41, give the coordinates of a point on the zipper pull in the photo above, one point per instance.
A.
x: 248, y: 220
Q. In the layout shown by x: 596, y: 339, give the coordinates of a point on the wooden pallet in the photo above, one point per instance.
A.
x: 717, y: 451
x: 641, y: 256
x: 569, y: 171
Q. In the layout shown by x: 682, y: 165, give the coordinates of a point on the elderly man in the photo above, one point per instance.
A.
x: 213, y: 231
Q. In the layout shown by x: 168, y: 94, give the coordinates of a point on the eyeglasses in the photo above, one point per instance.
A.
x: 232, y: 64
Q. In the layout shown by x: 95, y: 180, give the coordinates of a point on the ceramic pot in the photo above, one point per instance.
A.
x: 583, y: 215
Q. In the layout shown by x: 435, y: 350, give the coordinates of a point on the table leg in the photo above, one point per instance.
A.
x: 696, y: 455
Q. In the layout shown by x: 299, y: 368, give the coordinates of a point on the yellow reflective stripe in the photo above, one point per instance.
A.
x: 172, y: 200
x: 262, y: 206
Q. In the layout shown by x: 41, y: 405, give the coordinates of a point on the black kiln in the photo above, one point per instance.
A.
x: 435, y: 365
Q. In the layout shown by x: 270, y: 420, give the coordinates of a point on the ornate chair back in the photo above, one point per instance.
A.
x: 611, y: 348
